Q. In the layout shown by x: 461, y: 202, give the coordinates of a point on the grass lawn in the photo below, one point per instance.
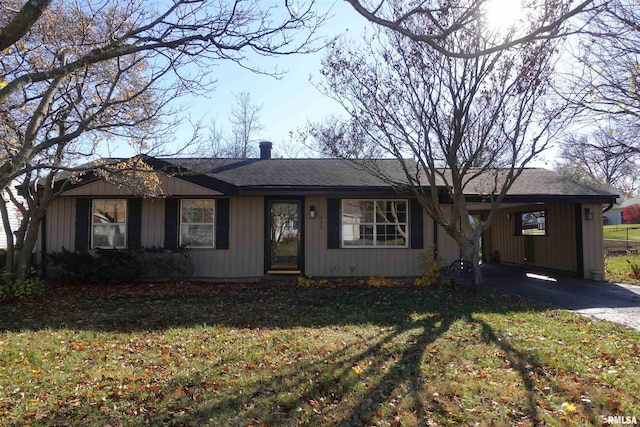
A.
x: 622, y: 231
x: 618, y: 268
x: 347, y: 354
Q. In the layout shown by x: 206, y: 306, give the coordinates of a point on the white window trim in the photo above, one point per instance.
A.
x: 212, y: 224
x: 125, y: 223
x: 374, y: 246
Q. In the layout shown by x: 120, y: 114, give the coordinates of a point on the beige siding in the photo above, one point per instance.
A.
x: 170, y: 187
x: 245, y: 256
x: 448, y: 249
x: 556, y: 250
x: 320, y: 261
x: 60, y: 224
x: 152, y: 222
x: 593, y: 243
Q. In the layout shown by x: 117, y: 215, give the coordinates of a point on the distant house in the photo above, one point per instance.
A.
x: 614, y: 215
x: 247, y: 218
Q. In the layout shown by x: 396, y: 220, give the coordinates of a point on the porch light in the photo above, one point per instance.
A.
x: 588, y: 215
x: 312, y: 211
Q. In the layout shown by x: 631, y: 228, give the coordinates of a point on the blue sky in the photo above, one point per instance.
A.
x: 287, y: 103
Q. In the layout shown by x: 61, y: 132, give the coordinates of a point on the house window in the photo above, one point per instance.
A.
x: 374, y: 223
x: 532, y: 223
x: 109, y: 224
x: 196, y: 223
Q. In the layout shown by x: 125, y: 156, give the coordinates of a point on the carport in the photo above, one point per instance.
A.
x: 615, y: 302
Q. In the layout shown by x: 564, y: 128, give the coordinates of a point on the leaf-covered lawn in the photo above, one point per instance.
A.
x: 336, y: 354
x: 618, y: 267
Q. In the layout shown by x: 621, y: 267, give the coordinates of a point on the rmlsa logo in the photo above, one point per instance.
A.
x: 621, y: 420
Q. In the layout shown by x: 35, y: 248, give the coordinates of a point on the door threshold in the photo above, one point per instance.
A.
x: 284, y: 272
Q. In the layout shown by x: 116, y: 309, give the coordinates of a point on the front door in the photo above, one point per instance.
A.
x: 284, y: 236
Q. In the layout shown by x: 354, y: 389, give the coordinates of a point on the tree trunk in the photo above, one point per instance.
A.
x: 471, y: 251
x: 23, y: 259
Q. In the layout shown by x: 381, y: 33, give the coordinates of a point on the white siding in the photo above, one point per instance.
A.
x: 15, y: 216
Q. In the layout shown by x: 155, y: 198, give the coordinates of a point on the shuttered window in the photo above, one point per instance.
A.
x: 109, y: 224
x: 197, y: 223
x: 374, y: 223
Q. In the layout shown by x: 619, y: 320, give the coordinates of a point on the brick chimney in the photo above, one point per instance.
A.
x: 265, y: 149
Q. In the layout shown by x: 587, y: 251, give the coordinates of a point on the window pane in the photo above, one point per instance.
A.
x: 197, y: 235
x: 351, y: 235
x: 391, y: 211
x: 197, y: 218
x: 108, y: 219
x: 352, y: 212
x: 109, y: 211
x: 109, y: 236
x: 197, y: 211
x: 533, y: 223
x: 373, y: 223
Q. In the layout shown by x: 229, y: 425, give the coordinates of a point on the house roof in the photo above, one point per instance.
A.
x: 291, y: 173
x: 539, y: 181
x: 334, y: 176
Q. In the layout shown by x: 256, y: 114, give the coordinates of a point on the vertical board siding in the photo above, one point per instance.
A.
x: 556, y: 250
x: 170, y: 186
x: 153, y: 222
x: 448, y: 248
x: 245, y: 256
x: 243, y: 259
x: 60, y: 221
x: 593, y: 243
x: 320, y: 261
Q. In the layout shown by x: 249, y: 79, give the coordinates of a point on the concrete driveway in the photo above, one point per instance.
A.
x: 603, y: 300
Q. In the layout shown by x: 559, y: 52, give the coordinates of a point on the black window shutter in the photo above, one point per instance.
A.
x: 416, y: 233
x: 134, y: 223
x: 333, y: 223
x: 222, y: 223
x: 83, y: 215
x: 171, y: 207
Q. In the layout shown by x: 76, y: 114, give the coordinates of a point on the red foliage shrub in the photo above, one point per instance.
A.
x: 631, y: 214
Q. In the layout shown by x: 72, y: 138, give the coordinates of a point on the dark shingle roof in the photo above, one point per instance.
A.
x: 255, y: 173
x: 535, y: 181
x: 335, y: 176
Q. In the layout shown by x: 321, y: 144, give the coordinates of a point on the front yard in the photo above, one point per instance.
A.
x: 345, y: 354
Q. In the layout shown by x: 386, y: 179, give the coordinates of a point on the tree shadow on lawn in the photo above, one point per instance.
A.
x: 383, y: 376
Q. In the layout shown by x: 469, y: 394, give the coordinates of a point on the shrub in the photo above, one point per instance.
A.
x: 431, y: 267
x: 635, y: 269
x: 306, y: 281
x: 117, y: 266
x: 380, y: 281
x: 29, y: 288
x: 631, y: 214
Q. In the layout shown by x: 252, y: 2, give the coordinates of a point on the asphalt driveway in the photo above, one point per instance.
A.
x: 615, y: 302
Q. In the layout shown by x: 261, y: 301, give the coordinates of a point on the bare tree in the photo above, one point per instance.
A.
x: 602, y: 158
x: 465, y: 125
x: 609, y: 76
x: 245, y: 119
x: 443, y: 20
x: 245, y: 126
x: 84, y: 75
x: 20, y: 21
